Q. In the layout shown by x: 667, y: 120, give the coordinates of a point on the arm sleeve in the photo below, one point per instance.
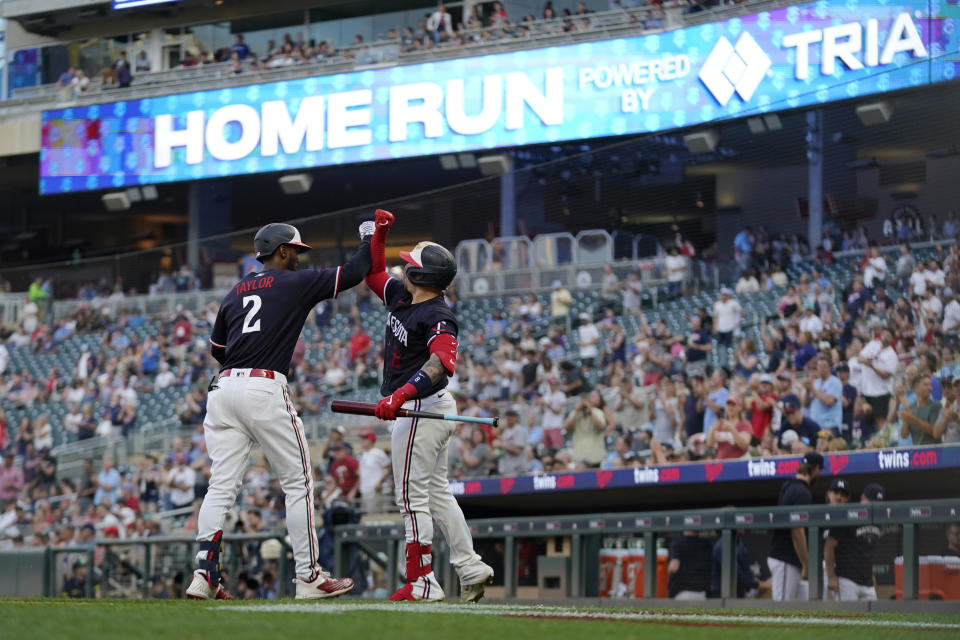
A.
x: 377, y: 277
x: 442, y: 341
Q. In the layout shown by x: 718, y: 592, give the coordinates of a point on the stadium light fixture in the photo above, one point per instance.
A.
x: 875, y: 113
x: 296, y: 183
x: 116, y: 201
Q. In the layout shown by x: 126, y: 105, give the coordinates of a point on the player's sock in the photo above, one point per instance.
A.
x: 208, y: 558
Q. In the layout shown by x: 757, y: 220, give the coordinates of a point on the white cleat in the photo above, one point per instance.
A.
x: 323, y: 586
x: 473, y: 592
x: 200, y: 589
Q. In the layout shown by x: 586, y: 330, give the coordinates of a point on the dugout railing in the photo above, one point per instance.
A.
x: 126, y: 568
x: 585, y: 533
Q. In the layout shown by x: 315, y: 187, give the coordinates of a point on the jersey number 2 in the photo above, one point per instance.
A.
x: 249, y: 326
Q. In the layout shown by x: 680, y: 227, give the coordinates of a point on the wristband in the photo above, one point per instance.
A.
x: 421, y: 382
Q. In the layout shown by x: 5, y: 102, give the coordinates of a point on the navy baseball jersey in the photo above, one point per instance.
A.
x: 261, y: 318
x: 410, y: 329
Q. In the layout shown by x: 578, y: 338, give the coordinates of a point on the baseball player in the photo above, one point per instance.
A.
x: 253, y: 339
x: 787, y: 558
x: 419, y: 354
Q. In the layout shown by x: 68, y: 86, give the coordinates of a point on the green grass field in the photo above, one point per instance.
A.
x: 351, y: 620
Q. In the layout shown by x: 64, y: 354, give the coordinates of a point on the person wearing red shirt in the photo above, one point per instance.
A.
x: 345, y: 471
x: 762, y: 400
x: 359, y: 343
x: 731, y: 434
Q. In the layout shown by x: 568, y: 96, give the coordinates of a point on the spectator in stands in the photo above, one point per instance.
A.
x: 667, y: 417
x: 586, y: 424
x: 66, y: 78
x: 675, y: 266
x: 632, y: 289
x: 11, y: 479
x: 553, y: 402
x: 609, y: 288
x: 746, y: 359
x: 122, y: 72
x: 748, y: 283
x: 715, y: 398
x: 240, y: 48
x: 560, y: 302
x: 87, y: 427
x: 921, y: 422
x: 108, y: 483
x: 879, y: 363
x: 513, y: 442
x: 142, y: 63
x: 689, y: 567
x: 440, y: 25
x: 475, y: 455
x: 374, y: 470
x: 805, y: 428
x: 727, y: 316
x: 731, y: 434
x: 824, y: 398
x: 588, y: 338
x: 345, y: 471
x: 762, y: 401
x: 179, y: 483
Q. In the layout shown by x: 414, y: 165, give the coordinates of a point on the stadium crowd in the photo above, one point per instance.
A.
x: 874, y: 365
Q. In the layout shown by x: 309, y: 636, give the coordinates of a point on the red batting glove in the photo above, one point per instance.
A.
x: 388, y: 407
x: 384, y: 218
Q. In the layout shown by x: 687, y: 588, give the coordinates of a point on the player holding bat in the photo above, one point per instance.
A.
x: 419, y: 354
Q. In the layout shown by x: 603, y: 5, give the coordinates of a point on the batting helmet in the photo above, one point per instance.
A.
x: 431, y: 265
x: 273, y: 235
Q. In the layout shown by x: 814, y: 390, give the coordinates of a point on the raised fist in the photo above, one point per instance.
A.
x: 384, y: 218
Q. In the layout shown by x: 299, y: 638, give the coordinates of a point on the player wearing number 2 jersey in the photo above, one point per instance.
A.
x: 420, y: 353
x: 253, y: 339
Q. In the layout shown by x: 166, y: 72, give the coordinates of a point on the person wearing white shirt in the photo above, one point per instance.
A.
x: 875, y: 271
x: 810, y: 321
x: 918, y: 281
x: 727, y: 315
x: 440, y: 22
x: 554, y: 407
x: 83, y: 364
x: 374, y: 471
x: 29, y: 317
x: 951, y: 317
x: 632, y: 292
x: 936, y: 278
x: 676, y: 266
x: 165, y: 378
x: 588, y: 337
x: 879, y: 362
x: 181, y: 480
x: 4, y: 358
x: 932, y: 307
x: 71, y: 422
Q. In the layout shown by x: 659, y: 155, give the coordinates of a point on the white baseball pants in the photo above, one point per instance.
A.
x: 419, y: 454
x: 850, y: 590
x: 244, y: 411
x: 785, y: 582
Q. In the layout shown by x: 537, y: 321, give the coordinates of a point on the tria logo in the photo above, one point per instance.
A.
x: 740, y: 67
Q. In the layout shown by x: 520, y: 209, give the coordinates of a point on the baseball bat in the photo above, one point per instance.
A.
x: 366, y: 409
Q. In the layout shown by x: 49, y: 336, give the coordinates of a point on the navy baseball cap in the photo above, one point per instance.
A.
x: 840, y: 486
x: 791, y: 404
x: 873, y: 492
x: 813, y: 459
